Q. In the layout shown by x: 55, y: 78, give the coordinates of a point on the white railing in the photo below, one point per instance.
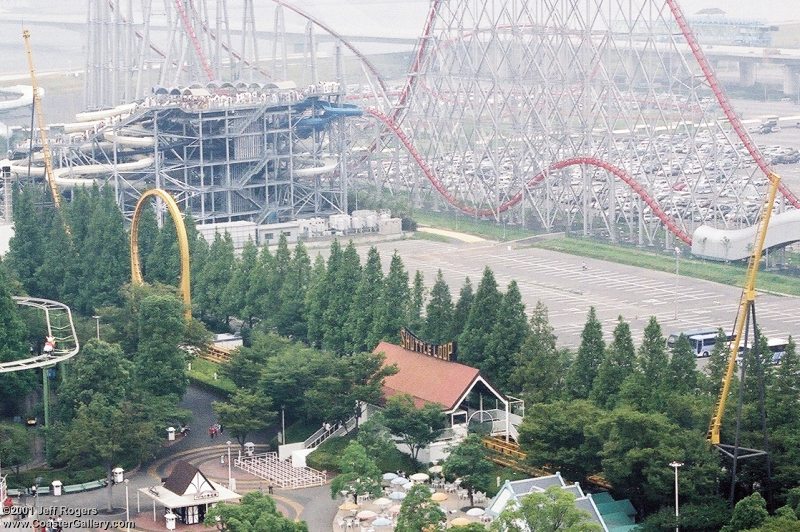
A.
x: 269, y: 467
x: 323, y: 434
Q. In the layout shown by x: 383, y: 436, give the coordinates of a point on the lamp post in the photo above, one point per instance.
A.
x: 283, y: 425
x: 97, y: 325
x: 676, y: 465
x: 228, y: 443
x: 127, y: 508
x: 677, y: 276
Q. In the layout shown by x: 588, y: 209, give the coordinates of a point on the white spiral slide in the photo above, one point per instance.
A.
x: 61, y: 174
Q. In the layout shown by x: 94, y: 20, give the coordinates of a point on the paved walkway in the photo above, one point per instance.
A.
x: 313, y: 505
x: 462, y: 237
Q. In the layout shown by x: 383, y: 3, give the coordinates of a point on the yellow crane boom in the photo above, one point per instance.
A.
x: 745, y: 304
x: 37, y: 106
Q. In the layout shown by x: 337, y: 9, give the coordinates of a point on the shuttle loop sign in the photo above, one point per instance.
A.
x: 411, y: 342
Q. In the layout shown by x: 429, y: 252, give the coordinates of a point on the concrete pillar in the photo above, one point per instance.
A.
x: 747, y: 72
x: 790, y: 80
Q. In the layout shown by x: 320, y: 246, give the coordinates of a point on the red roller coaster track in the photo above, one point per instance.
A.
x: 538, y: 178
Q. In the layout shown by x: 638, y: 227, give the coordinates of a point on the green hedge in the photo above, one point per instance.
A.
x: 202, y: 374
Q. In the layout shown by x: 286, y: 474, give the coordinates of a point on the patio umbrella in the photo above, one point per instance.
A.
x: 397, y: 481
x: 397, y: 495
x: 394, y: 509
x: 408, y: 485
x: 475, y: 512
x: 366, y: 514
x: 435, y: 469
x: 460, y: 521
x: 348, y: 506
x: 389, y: 476
x: 419, y: 477
x: 383, y: 501
x: 439, y: 496
x: 382, y: 521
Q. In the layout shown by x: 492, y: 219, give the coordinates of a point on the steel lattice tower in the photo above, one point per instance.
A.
x: 597, y: 116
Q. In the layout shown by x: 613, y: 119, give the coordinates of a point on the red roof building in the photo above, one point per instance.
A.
x: 460, y: 390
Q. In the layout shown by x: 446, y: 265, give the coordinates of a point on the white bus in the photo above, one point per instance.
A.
x: 776, y: 346
x: 672, y: 338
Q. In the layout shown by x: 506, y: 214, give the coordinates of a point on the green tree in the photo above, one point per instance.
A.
x: 257, y: 294
x: 244, y: 413
x: 160, y: 364
x: 474, y: 339
x: 103, y: 255
x: 749, y: 513
x: 287, y: 375
x: 359, y: 475
x: 505, y: 341
x: 549, y: 511
x: 235, y: 293
x: 367, y: 297
x: 148, y: 234
x: 461, y: 310
x: 217, y: 273
x: 246, y: 363
x: 555, y: 434
x: 636, y: 450
x: 104, y: 432
x: 682, y: 371
x: 391, y: 313
x: 13, y: 346
x: 418, y: 513
x: 101, y: 368
x: 15, y: 445
x: 617, y: 365
x: 417, y: 303
x: 717, y: 362
x: 276, y: 277
x: 413, y: 427
x: 468, y: 462
x: 162, y: 263
x: 781, y: 398
x: 316, y: 302
x: 438, y: 313
x: 583, y: 372
x: 646, y: 389
x: 291, y: 317
x: 255, y: 512
x: 26, y: 248
x: 349, y: 383
x: 56, y: 276
x: 344, y: 283
x: 540, y: 368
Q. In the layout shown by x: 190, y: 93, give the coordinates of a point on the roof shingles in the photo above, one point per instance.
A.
x: 425, y: 378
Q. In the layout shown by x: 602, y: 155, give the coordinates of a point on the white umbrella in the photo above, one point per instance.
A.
x: 383, y: 501
x: 435, y: 469
x: 397, y: 495
x: 397, y: 481
x: 476, y: 512
x: 419, y: 477
x: 366, y: 514
x: 382, y: 521
x: 408, y: 485
x: 389, y: 476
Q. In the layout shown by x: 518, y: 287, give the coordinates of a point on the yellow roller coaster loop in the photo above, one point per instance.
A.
x: 183, y: 245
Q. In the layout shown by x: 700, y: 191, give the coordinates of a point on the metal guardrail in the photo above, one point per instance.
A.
x: 66, y: 341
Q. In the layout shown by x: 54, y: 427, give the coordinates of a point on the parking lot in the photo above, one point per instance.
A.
x: 560, y: 282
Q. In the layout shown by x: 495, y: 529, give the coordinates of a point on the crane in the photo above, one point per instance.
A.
x: 746, y: 306
x: 37, y: 106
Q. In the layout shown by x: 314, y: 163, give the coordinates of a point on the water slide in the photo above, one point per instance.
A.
x: 24, y: 98
x: 737, y: 244
x: 328, y: 164
x: 61, y: 174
